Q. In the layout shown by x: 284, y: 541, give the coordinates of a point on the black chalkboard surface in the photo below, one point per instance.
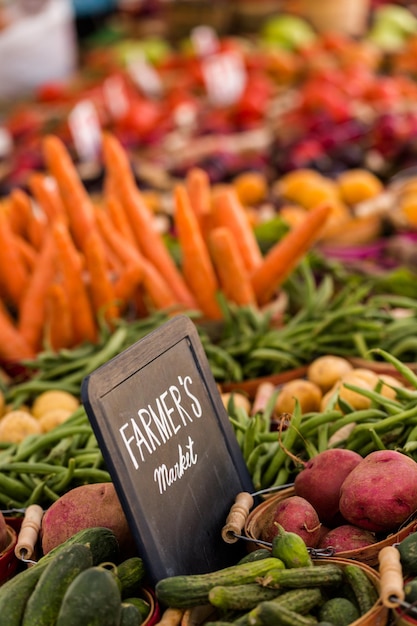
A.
x: 170, y: 449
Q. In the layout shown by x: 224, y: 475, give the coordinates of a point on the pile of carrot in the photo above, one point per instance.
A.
x: 69, y: 263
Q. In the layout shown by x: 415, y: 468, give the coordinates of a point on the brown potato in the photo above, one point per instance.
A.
x: 326, y: 370
x: 308, y: 394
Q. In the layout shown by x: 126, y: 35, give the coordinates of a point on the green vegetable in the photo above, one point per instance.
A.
x: 271, y: 614
x: 317, y: 576
x: 291, y: 549
x: 188, y: 591
x: 130, y: 615
x: 130, y: 574
x: 240, y: 597
x: 364, y: 590
x: 15, y: 593
x: 93, y: 598
x: 339, y: 611
x: 256, y: 555
x: 43, y: 606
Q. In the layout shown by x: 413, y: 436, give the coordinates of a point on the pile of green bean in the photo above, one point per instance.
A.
x: 43, y: 467
x: 325, y: 315
x: 274, y: 457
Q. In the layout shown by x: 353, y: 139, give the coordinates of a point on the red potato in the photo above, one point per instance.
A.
x: 347, y: 537
x: 380, y: 493
x: 84, y: 507
x: 320, y: 480
x: 296, y: 515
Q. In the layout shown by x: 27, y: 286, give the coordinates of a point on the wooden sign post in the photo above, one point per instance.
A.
x: 170, y: 449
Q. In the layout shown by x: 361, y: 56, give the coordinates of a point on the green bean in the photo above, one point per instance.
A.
x: 311, y: 424
x: 391, y: 406
x: 249, y: 441
x: 31, y: 468
x: 362, y: 415
x: 376, y: 439
x: 46, y: 440
x: 66, y: 478
x: 386, y: 424
x: 288, y: 438
x: 404, y: 370
x: 91, y: 474
x: 13, y: 487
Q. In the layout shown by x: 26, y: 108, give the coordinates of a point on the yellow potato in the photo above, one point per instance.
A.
x: 307, y: 393
x: 326, y: 370
x: 354, y: 398
x: 387, y: 389
x: 54, y: 399
x: 238, y: 398
x: 18, y: 424
x: 53, y: 418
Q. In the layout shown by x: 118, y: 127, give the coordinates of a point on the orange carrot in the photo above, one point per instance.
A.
x: 71, y: 266
x: 124, y: 250
x: 35, y: 220
x: 18, y: 213
x: 58, y: 332
x: 31, y: 315
x: 119, y: 218
x: 13, y: 347
x: 198, y: 187
x: 127, y: 284
x: 231, y: 271
x: 100, y: 282
x: 228, y: 211
x: 75, y: 197
x: 46, y: 193
x: 285, y: 255
x: 156, y: 288
x: 196, y: 262
x: 27, y: 252
x: 13, y: 271
x: 141, y: 219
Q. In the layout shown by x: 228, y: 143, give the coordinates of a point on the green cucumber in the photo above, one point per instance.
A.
x: 255, y: 555
x: 339, y: 611
x: 298, y: 600
x: 43, y: 606
x: 93, y: 599
x: 186, y: 591
x: 316, y: 576
x: 130, y: 573
x: 408, y: 554
x: 291, y: 549
x: 15, y: 593
x: 142, y: 605
x: 240, y: 597
x: 271, y: 614
x: 130, y: 615
x: 410, y: 591
x: 364, y: 590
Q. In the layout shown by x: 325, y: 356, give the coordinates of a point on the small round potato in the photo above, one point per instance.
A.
x: 327, y: 370
x: 307, y: 393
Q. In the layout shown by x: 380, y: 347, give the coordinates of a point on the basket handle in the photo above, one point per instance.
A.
x: 391, y: 574
x: 29, y: 532
x: 236, y: 519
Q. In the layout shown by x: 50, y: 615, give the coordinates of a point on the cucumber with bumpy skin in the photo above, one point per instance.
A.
x: 271, y: 614
x: 365, y: 592
x: 43, y: 605
x: 291, y: 549
x: 15, y: 592
x: 188, y: 591
x: 93, y: 598
x: 317, y: 576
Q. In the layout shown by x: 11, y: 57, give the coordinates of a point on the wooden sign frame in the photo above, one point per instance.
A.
x: 170, y: 449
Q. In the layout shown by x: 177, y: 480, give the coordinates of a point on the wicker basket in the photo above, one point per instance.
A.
x: 263, y: 513
x: 378, y: 615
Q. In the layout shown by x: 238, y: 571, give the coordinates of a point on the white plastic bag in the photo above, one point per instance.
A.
x: 38, y: 47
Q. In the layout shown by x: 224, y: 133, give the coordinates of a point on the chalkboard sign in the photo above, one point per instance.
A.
x: 170, y: 449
